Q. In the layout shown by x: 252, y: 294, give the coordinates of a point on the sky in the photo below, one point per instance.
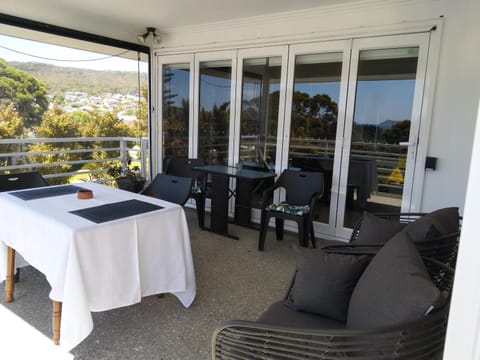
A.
x: 17, y: 49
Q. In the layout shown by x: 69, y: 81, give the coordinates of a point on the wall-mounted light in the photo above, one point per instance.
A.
x: 150, y: 30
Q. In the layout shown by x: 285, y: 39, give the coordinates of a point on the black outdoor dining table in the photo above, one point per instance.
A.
x: 220, y: 194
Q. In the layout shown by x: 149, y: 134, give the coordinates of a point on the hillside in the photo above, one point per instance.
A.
x: 60, y: 79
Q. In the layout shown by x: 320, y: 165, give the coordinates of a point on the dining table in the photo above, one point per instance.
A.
x: 221, y: 193
x: 97, y: 253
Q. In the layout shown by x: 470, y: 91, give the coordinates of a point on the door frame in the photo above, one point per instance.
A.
x: 337, y: 46
x: 384, y: 42
x: 162, y: 61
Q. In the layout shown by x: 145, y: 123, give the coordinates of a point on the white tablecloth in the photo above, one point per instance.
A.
x: 96, y: 267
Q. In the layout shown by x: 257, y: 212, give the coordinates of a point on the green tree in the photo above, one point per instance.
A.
x: 313, y: 116
x: 397, y: 133
x: 56, y: 124
x: 140, y: 127
x: 11, y: 127
x: 28, y: 95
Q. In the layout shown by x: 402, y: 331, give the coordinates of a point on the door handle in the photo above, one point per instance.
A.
x: 406, y: 143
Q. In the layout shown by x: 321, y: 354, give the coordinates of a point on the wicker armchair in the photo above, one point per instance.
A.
x: 419, y: 339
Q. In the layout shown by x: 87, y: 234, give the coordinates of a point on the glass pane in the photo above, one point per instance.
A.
x: 175, y: 114
x: 383, y: 110
x: 214, y: 111
x: 259, y: 117
x: 313, y: 129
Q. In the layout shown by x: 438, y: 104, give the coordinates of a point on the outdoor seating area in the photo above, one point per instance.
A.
x: 385, y: 293
x: 377, y: 299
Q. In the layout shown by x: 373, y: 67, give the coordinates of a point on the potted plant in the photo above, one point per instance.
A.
x: 127, y: 177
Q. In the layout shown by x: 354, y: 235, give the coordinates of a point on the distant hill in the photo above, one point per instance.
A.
x: 59, y: 79
x: 387, y: 124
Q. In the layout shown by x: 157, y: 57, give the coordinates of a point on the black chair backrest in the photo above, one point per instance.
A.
x: 184, y: 167
x: 170, y: 188
x: 300, y: 185
x: 19, y: 181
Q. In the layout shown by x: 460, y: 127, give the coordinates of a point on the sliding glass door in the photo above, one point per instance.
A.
x: 349, y: 108
x: 214, y: 96
x: 259, y: 114
x: 176, y: 107
x: 315, y: 116
x: 386, y: 86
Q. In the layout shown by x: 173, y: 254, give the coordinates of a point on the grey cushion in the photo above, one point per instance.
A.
x: 324, y: 282
x: 394, y: 288
x: 375, y: 230
x: 283, y: 314
x: 437, y: 223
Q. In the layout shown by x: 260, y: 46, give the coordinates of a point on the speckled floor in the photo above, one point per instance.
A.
x: 234, y: 281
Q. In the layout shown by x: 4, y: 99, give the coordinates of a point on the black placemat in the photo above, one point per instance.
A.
x: 44, y: 192
x: 118, y: 210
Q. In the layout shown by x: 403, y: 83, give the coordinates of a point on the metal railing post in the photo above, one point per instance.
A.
x: 123, y: 154
x: 143, y: 156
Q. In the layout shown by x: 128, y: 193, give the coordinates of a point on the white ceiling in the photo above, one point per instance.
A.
x: 125, y: 19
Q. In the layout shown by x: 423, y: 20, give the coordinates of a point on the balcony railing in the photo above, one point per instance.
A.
x: 50, y: 156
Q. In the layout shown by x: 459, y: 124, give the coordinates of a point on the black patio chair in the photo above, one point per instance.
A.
x: 303, y: 189
x: 184, y: 167
x: 20, y: 181
x: 170, y: 188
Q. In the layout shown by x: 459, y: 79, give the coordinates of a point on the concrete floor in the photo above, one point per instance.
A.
x: 234, y: 281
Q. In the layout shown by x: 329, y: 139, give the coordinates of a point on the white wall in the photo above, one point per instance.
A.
x: 463, y: 337
x: 454, y: 111
x: 455, y: 106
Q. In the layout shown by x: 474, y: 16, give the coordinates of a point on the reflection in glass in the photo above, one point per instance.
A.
x: 313, y: 129
x: 214, y: 111
x: 383, y: 110
x: 259, y: 117
x: 175, y: 110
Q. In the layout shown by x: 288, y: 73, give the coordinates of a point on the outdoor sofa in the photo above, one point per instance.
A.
x: 371, y: 301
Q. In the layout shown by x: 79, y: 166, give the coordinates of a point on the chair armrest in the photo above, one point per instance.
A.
x: 239, y: 339
x: 266, y: 196
x: 315, y: 197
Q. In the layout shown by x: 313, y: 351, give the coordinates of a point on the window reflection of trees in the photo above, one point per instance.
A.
x: 175, y: 117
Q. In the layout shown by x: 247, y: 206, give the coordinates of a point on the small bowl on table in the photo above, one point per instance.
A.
x: 84, y: 194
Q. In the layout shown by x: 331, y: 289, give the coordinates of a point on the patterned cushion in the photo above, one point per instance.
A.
x: 298, y: 210
x: 196, y: 190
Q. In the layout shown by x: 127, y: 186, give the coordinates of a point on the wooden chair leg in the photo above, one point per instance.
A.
x: 10, y: 279
x: 56, y: 320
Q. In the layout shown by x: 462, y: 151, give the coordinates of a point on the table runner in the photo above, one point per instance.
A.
x: 40, y: 193
x: 118, y: 210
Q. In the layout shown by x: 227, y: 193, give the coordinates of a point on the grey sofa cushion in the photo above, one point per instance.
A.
x: 324, y: 282
x: 375, y: 230
x: 432, y: 225
x: 394, y: 288
x: 283, y: 314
